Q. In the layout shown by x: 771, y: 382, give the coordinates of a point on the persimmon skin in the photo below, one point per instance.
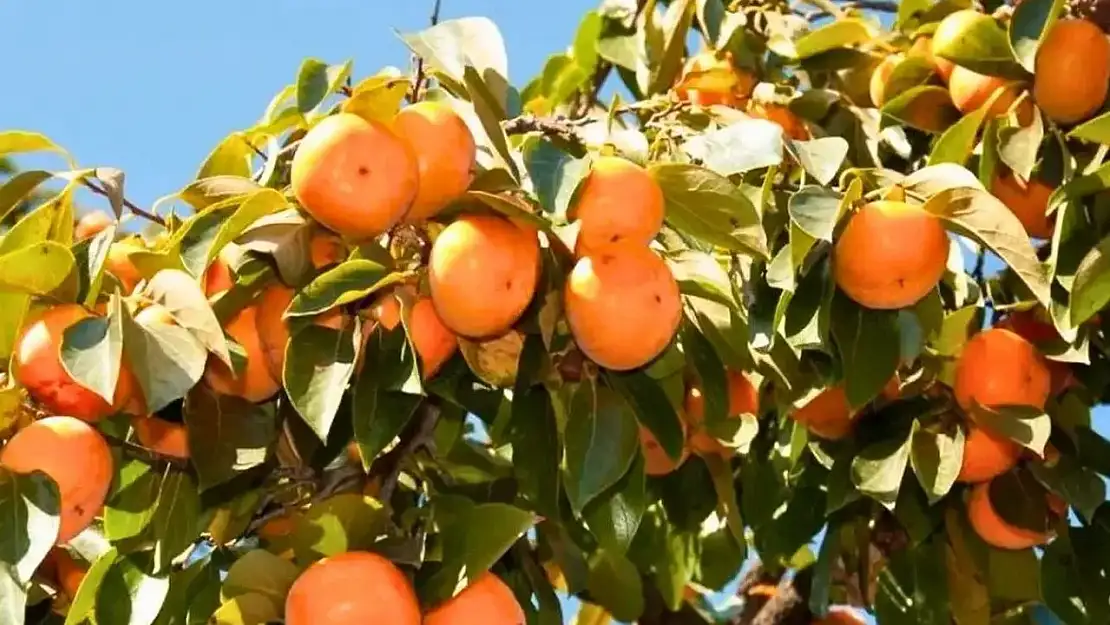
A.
x: 75, y: 456
x: 971, y: 90
x: 890, y: 255
x: 999, y: 368
x: 623, y: 306
x: 91, y: 225
x: 656, y: 460
x: 273, y: 332
x: 254, y: 383
x: 39, y: 369
x: 1072, y: 71
x: 483, y: 272
x: 162, y: 436
x: 619, y: 201
x: 828, y: 415
x: 707, y: 80
x: 353, y: 588
x: 486, y: 601
x: 354, y: 176
x: 880, y: 77
x: 445, y: 155
x: 1028, y: 201
x: 792, y: 126
x: 1030, y: 326
x: 986, y: 455
x: 119, y: 264
x: 994, y: 530
x: 433, y: 340
x: 743, y: 397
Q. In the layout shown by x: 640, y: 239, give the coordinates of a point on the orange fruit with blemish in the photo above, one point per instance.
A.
x: 482, y: 273
x: 890, y: 255
x: 1027, y: 200
x: 623, y: 306
x: 75, y: 456
x: 1072, y: 71
x: 743, y: 398
x: 445, y: 153
x: 165, y: 437
x: 999, y: 368
x: 619, y: 201
x: 352, y: 588
x: 486, y: 601
x: 996, y: 531
x: 39, y: 369
x: 354, y: 176
x: 971, y: 90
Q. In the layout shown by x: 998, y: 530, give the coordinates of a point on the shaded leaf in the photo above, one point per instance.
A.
x: 227, y: 435
x: 867, y: 341
x: 601, y: 440
x: 319, y: 362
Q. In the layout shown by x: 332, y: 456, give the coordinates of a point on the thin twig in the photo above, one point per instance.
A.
x: 418, y: 81
x: 427, y: 415
x: 550, y: 127
x: 882, y: 6
x: 145, y: 454
x: 95, y: 188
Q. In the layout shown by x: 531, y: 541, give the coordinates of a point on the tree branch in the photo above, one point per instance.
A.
x: 145, y: 454
x: 418, y: 81
x: 97, y: 189
x: 555, y: 128
x: 419, y: 435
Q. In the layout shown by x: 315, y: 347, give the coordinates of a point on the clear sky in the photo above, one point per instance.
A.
x: 151, y: 87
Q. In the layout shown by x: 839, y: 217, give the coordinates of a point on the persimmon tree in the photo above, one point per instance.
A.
x: 808, y: 297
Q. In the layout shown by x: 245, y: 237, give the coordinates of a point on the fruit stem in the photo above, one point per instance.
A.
x: 97, y: 189
x: 418, y: 81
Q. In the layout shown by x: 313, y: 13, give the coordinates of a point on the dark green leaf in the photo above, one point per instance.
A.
x: 259, y: 571
x: 615, y: 516
x: 338, y: 524
x: 1029, y: 26
x: 85, y: 603
x: 936, y: 458
x: 129, y: 596
x: 537, y: 448
x: 312, y: 84
x: 131, y: 503
x: 1079, y: 486
x: 30, y: 513
x: 601, y: 441
x: 651, y: 407
x: 175, y: 524
x: 867, y: 341
x: 913, y: 587
x: 614, y: 583
x: 227, y: 435
x: 319, y: 362
x: 346, y: 283
x: 877, y: 471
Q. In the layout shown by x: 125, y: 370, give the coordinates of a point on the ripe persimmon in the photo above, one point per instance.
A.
x: 353, y: 588
x: 618, y: 201
x: 1072, y: 71
x: 792, y: 125
x: 1035, y: 327
x: 483, y: 272
x: 254, y: 382
x: 273, y: 333
x: 165, y: 437
x: 970, y: 90
x: 91, y: 224
x: 827, y: 415
x: 445, y: 152
x: 119, y: 264
x: 881, y: 76
x: 486, y: 601
x: 623, y: 306
x: 1027, y: 200
x: 75, y: 456
x: 996, y: 531
x: 656, y: 459
x: 219, y: 276
x: 40, y: 370
x: 326, y: 249
x: 999, y: 368
x: 890, y: 255
x: 986, y: 455
x: 65, y: 570
x: 708, y: 79
x: 386, y: 310
x: 354, y: 176
x: 434, y: 341
x: 743, y: 397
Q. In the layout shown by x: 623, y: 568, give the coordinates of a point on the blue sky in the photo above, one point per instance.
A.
x: 151, y: 87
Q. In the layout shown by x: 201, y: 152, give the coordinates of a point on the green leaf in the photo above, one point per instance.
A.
x: 129, y: 596
x: 175, y: 524
x: 555, y: 176
x: 615, y: 516
x: 259, y: 571
x: 1027, y: 426
x: 651, y: 407
x: 710, y: 370
x: 931, y: 180
x: 725, y: 486
x: 449, y: 47
x: 253, y: 208
x: 248, y: 609
x: 676, y: 23
x: 381, y: 411
x: 1019, y: 146
x: 341, y: 523
x: 1073, y: 582
x: 91, y: 351
x: 232, y: 157
x: 1090, y: 292
x: 475, y: 538
x: 839, y: 34
x: 815, y: 210
x: 979, y: 44
x: 185, y: 301
x: 601, y: 440
x: 319, y: 362
x: 614, y: 583
x: 821, y: 157
x: 348, y: 282
x: 316, y: 81
x: 39, y: 269
x: 227, y: 435
x: 738, y: 147
x: 19, y: 188
x: 30, y: 510
x: 509, y: 206
x: 913, y: 587
x: 379, y: 97
x: 676, y: 562
x: 936, y: 458
x: 982, y: 217
x: 1029, y: 26
x: 85, y: 603
x: 21, y: 142
x: 1095, y: 130
x: 1081, y: 487
x: 927, y: 107
x: 167, y: 360
x: 956, y: 144
x: 877, y: 471
x: 707, y: 206
x: 867, y: 341
x: 537, y: 448
x: 131, y: 502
